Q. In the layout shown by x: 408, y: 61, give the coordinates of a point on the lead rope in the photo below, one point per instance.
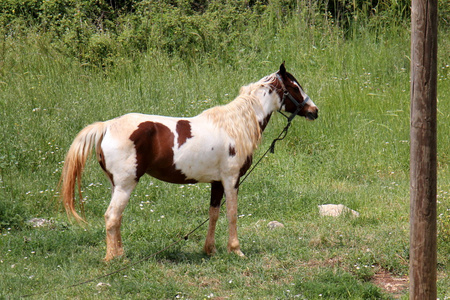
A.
x: 271, y: 149
x: 280, y: 137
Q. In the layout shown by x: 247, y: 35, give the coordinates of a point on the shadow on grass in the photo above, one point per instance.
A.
x: 176, y: 256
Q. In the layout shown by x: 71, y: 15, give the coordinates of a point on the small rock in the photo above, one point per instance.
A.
x: 275, y: 224
x: 39, y: 222
x: 103, y: 286
x: 333, y: 210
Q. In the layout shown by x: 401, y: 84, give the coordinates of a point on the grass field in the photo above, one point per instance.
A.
x: 356, y: 154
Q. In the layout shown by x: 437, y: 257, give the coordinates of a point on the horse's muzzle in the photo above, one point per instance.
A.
x: 312, y: 115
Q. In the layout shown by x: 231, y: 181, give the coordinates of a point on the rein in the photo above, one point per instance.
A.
x: 271, y: 149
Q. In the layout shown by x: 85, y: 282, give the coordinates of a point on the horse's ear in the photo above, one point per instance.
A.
x: 282, y: 69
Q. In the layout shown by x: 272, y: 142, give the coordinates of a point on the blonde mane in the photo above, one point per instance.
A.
x: 239, y: 120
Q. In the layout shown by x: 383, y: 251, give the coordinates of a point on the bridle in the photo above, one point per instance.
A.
x: 298, y: 106
x: 286, y: 94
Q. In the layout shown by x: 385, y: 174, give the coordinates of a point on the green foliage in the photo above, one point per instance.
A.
x: 349, y: 13
x: 98, y: 32
x: 95, y: 31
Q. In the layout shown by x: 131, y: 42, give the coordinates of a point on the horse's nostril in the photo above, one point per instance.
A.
x: 312, y: 115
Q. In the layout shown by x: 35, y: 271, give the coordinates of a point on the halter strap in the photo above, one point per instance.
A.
x: 286, y: 94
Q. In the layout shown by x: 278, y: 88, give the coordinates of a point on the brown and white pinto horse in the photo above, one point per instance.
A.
x: 214, y: 147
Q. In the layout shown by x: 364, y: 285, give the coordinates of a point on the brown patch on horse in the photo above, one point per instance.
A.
x: 243, y: 170
x: 154, y: 155
x: 277, y: 87
x: 264, y: 122
x: 184, y: 131
x: 101, y: 161
x: 289, y: 81
x: 231, y: 151
x: 217, y: 192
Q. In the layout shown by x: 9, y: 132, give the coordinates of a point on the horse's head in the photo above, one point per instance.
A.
x: 292, y: 97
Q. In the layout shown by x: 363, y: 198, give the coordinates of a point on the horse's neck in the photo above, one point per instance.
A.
x: 268, y: 100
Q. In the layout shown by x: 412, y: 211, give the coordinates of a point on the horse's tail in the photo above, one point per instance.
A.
x: 74, y: 163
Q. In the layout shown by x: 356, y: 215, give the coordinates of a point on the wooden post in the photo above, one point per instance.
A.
x: 423, y: 165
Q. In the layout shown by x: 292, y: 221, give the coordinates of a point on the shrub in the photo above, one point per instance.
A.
x: 95, y: 31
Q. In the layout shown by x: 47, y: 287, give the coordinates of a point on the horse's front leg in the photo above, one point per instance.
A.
x: 216, y: 197
x: 231, y: 193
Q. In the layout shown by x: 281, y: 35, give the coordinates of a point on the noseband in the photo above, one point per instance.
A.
x: 298, y: 105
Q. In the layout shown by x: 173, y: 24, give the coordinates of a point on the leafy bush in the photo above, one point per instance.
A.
x: 348, y: 12
x: 95, y: 32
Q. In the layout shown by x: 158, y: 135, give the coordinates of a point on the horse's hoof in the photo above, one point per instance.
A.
x: 239, y: 253
x: 110, y: 257
x: 210, y: 251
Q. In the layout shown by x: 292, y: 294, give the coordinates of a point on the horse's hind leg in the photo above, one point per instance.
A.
x: 113, y: 218
x: 216, y: 197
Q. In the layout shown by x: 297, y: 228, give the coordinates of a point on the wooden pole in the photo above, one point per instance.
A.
x: 423, y: 165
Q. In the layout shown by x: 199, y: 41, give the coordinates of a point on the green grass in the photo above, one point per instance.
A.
x: 356, y: 153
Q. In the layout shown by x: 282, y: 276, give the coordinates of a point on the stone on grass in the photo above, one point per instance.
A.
x: 39, y: 222
x: 335, y: 210
x: 102, y: 286
x: 275, y: 224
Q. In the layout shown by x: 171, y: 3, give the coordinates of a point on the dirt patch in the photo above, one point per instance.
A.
x: 396, y: 286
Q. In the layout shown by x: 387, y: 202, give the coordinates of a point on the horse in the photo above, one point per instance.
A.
x: 213, y: 147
